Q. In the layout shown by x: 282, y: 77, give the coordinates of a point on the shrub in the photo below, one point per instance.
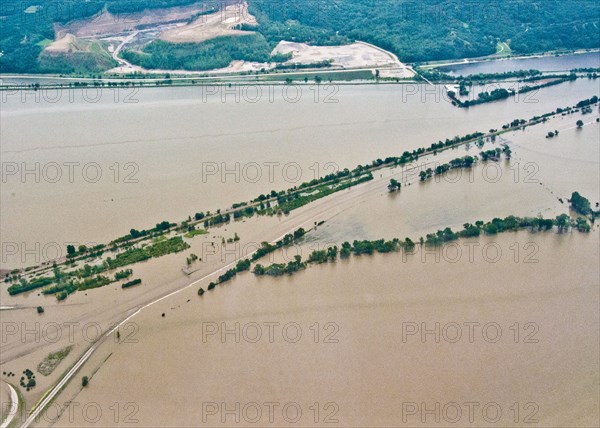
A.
x: 131, y: 283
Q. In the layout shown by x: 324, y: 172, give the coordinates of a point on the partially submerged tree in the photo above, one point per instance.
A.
x: 394, y: 185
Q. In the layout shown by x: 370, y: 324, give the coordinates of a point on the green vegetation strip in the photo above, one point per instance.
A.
x: 89, y: 277
x: 357, y: 248
x: 501, y: 93
x: 52, y: 360
x: 365, y: 247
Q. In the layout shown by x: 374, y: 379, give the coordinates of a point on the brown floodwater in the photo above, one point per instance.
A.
x: 83, y: 169
x: 516, y: 333
x: 540, y: 174
x: 366, y: 212
x: 168, y: 374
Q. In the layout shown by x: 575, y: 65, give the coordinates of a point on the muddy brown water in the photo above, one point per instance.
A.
x: 371, y: 377
x: 368, y: 340
x: 98, y: 168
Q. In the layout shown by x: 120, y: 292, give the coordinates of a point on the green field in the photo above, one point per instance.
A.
x: 196, y: 232
x: 325, y: 76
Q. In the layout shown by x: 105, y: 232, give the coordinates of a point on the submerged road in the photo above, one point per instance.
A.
x: 58, y: 387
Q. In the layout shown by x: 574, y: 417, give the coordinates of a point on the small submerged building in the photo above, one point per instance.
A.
x: 452, y: 88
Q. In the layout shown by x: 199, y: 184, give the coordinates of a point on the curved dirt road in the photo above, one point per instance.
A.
x: 14, y: 406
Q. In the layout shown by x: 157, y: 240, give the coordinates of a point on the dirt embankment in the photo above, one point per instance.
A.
x: 108, y: 24
x: 66, y: 44
x: 225, y: 22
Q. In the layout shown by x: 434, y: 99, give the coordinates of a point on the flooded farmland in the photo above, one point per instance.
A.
x: 530, y: 343
x: 497, y: 329
x: 524, y: 291
x: 87, y: 172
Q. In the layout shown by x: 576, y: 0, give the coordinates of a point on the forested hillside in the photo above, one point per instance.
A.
x: 212, y: 54
x: 414, y: 30
x: 435, y: 29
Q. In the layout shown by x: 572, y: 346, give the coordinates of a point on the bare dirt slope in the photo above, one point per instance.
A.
x: 206, y: 27
x: 68, y: 43
x: 106, y: 23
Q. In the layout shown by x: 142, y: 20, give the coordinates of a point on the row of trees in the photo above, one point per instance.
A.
x: 438, y: 74
x: 502, y: 93
x: 65, y: 284
x: 244, y: 265
x: 291, y: 196
x: 463, y: 162
x: 562, y: 222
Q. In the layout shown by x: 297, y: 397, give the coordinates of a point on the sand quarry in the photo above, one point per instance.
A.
x: 67, y: 44
x: 64, y: 44
x: 176, y: 25
x: 355, y: 55
x: 107, y: 24
x: 206, y: 27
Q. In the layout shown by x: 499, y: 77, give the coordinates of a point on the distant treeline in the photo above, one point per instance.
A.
x: 366, y: 247
x: 502, y: 93
x: 436, y: 75
x: 296, y: 66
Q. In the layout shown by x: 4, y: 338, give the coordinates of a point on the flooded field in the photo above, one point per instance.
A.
x: 541, y: 173
x: 363, y: 324
x: 546, y: 63
x: 256, y: 213
x: 364, y: 294
x: 490, y: 331
x: 86, y: 172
